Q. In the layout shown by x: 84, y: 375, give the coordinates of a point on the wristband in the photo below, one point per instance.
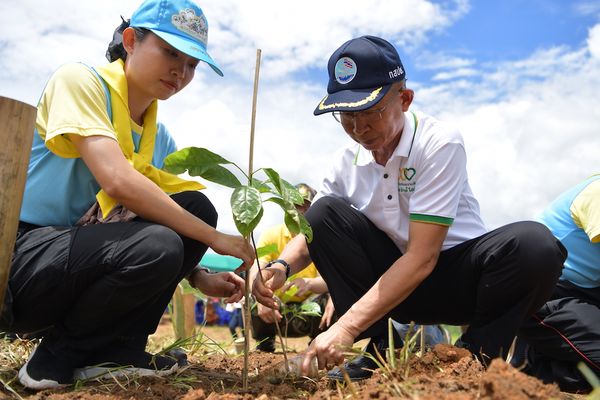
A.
x: 282, y: 262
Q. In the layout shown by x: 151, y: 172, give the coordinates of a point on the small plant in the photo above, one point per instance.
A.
x: 246, y: 200
x: 289, y: 313
x: 246, y: 203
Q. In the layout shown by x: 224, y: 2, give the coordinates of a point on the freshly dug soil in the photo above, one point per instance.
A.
x: 445, y: 372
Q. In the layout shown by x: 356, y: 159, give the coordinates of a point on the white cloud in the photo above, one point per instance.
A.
x: 530, y: 126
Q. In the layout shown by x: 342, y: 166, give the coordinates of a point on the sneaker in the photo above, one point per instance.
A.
x: 361, y: 367
x: 43, y: 370
x: 115, y: 364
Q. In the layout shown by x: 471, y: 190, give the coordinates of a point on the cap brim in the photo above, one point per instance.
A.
x: 188, y: 47
x: 351, y: 100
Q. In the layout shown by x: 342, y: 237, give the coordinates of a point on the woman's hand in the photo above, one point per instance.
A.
x: 233, y: 245
x: 222, y: 284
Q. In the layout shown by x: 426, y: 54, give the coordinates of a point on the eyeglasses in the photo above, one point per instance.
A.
x: 371, y: 114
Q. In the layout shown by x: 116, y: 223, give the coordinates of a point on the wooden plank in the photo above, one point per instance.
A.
x: 17, y: 121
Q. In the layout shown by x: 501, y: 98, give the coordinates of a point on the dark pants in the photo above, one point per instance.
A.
x: 90, y: 286
x: 563, y: 333
x: 492, y: 283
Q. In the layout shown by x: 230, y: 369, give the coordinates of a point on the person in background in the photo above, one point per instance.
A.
x: 565, y: 331
x: 105, y: 235
x: 236, y: 320
x: 298, y: 289
x: 397, y: 231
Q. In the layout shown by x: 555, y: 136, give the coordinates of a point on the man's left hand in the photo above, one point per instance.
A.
x: 329, y: 348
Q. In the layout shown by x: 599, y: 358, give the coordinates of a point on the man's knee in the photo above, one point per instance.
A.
x: 539, y: 251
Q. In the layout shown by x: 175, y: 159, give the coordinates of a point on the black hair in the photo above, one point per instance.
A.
x: 115, y: 48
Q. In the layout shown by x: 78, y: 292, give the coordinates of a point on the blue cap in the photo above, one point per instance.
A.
x: 361, y: 72
x: 181, y: 23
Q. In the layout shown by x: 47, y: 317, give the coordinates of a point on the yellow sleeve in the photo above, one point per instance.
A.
x: 585, y: 211
x: 274, y: 235
x: 73, y: 102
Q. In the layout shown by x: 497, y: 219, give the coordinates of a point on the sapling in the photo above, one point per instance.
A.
x: 246, y: 200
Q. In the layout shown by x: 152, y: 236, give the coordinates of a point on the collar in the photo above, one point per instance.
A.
x: 363, y: 157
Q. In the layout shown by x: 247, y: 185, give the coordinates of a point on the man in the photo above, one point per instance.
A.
x: 566, y: 330
x: 298, y: 289
x: 397, y: 231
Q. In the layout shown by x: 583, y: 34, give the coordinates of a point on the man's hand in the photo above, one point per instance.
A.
x: 267, y: 314
x: 222, y: 284
x: 329, y: 348
x: 265, y: 283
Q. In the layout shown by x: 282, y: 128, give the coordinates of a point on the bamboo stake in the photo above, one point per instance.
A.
x: 247, y: 283
x: 16, y: 133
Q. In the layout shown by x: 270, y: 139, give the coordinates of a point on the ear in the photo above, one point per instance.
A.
x: 129, y: 40
x: 407, y: 96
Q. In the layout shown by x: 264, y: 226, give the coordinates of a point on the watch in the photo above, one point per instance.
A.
x: 282, y: 262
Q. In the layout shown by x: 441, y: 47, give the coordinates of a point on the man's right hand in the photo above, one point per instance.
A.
x: 265, y: 283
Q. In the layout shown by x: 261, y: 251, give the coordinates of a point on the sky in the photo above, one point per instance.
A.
x: 520, y: 78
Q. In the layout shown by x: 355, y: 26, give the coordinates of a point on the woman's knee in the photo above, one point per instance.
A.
x: 159, y: 249
x: 199, y: 205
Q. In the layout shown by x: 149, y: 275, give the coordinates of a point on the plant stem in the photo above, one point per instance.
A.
x: 247, y: 280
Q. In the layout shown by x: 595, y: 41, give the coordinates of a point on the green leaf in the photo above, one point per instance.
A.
x: 261, y: 186
x: 246, y: 206
x: 201, y: 162
x: 292, y: 221
x: 291, y: 194
x: 305, y: 228
x: 246, y: 228
x: 266, y: 250
x: 310, y: 308
x: 275, y: 180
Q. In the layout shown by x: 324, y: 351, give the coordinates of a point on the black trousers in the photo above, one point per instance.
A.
x: 492, y: 283
x: 564, y: 332
x: 87, y: 287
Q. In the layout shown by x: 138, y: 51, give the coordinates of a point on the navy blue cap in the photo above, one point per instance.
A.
x: 361, y: 71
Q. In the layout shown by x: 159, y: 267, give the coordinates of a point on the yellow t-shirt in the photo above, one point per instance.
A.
x: 80, y: 111
x: 281, y: 236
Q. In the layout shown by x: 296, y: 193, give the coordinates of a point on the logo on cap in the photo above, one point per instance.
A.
x: 194, y: 25
x: 345, y: 70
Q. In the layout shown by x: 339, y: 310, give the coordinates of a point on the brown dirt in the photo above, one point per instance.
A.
x: 446, y: 372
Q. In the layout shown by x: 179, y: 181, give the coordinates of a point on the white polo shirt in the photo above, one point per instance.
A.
x: 424, y: 180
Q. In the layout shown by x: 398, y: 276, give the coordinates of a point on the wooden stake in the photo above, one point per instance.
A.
x: 17, y: 121
x: 247, y: 283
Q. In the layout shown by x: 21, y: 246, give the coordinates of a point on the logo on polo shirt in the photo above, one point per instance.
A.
x: 407, y: 180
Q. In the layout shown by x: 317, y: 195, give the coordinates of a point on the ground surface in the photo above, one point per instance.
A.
x: 445, y: 372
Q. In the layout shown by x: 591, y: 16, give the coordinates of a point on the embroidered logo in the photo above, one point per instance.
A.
x: 345, y: 70
x: 194, y: 25
x: 406, y: 184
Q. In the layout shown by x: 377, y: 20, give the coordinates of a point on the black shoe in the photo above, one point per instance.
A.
x: 267, y: 345
x: 361, y: 367
x: 44, y: 370
x: 116, y: 363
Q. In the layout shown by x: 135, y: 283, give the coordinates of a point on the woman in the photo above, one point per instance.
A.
x: 96, y: 290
